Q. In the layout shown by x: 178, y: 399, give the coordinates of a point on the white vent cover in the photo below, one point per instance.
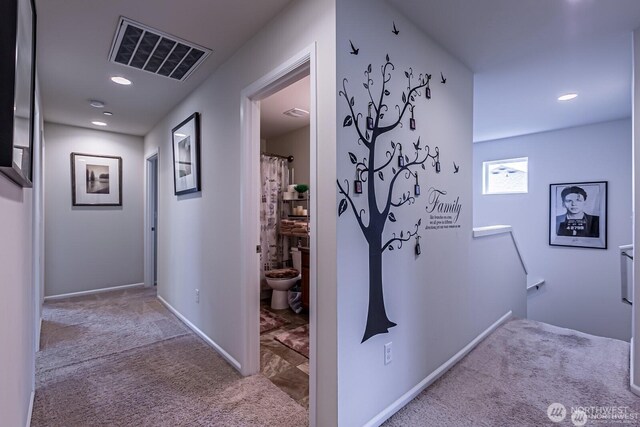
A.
x: 144, y: 48
x: 296, y: 112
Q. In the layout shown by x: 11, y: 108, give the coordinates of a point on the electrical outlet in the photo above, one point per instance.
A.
x: 197, y: 295
x: 388, y: 355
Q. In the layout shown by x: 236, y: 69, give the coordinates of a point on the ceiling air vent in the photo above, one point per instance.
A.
x: 296, y: 112
x: 138, y: 46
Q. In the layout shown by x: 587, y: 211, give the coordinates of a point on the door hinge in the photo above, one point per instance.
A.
x: 258, y: 249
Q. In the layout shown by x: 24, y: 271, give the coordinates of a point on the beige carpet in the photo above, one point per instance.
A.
x: 513, y: 376
x: 122, y: 359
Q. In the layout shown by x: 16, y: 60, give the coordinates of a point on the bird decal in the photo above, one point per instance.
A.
x: 416, y: 145
x: 395, y: 30
x: 456, y: 168
x: 442, y: 79
x: 354, y: 51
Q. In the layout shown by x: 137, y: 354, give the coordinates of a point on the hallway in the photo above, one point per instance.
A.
x: 121, y: 358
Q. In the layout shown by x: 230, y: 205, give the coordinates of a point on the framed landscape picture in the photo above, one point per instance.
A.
x: 186, y: 155
x: 96, y: 180
x: 578, y: 214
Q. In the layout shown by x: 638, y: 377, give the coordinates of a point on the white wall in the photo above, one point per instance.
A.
x: 431, y: 298
x: 199, y: 234
x: 582, y: 286
x: 296, y: 144
x: 635, y: 350
x: 499, y: 280
x: 18, y: 304
x: 92, y: 247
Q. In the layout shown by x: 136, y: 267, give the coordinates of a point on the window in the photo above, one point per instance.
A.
x: 505, y: 176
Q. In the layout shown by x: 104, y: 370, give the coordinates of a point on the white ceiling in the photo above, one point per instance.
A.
x: 272, y: 122
x: 74, y: 38
x: 525, y: 53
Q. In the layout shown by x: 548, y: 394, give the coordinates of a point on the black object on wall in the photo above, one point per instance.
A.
x: 375, y: 173
x: 17, y: 89
x: 186, y: 155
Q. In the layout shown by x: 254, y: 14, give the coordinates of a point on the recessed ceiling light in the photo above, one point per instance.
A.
x: 97, y: 123
x: 108, y: 113
x: 296, y: 112
x: 96, y: 104
x: 121, y: 80
x: 567, y: 97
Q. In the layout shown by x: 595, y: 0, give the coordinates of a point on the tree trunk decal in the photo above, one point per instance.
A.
x: 382, y: 175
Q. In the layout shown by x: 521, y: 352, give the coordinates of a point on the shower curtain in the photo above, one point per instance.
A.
x: 274, y: 180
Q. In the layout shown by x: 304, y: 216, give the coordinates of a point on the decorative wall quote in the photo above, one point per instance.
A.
x: 443, y: 212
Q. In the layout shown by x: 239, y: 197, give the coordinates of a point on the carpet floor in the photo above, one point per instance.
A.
x: 512, y: 377
x: 122, y: 359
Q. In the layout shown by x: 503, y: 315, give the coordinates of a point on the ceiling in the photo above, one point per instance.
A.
x: 525, y: 53
x: 75, y: 36
x: 272, y: 122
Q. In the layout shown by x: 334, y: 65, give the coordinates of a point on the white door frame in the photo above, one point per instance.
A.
x: 148, y: 217
x: 302, y: 63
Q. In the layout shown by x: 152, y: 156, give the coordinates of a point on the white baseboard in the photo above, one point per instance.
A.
x: 30, y: 411
x: 202, y: 335
x: 93, y: 291
x: 408, y: 396
x: 634, y: 388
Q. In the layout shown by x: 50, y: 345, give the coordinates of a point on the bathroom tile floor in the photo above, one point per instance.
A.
x: 287, y: 369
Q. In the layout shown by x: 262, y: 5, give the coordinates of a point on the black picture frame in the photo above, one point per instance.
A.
x: 89, y: 190
x: 588, y: 203
x: 186, y: 155
x: 17, y: 89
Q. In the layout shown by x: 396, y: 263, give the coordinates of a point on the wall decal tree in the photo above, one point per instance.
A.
x: 375, y: 174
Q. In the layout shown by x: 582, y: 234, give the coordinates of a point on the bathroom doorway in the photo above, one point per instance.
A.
x: 285, y: 361
x: 284, y: 238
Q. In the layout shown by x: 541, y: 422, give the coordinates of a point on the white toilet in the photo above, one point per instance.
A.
x: 279, y: 298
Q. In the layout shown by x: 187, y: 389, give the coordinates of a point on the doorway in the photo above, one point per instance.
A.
x: 299, y: 66
x: 151, y: 222
x: 284, y: 239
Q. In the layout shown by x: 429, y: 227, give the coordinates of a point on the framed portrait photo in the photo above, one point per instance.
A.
x: 578, y: 214
x: 96, y: 180
x: 186, y: 155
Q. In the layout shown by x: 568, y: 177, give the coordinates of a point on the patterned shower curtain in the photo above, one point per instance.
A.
x: 274, y: 180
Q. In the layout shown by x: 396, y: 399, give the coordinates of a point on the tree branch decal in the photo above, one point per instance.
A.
x: 384, y: 173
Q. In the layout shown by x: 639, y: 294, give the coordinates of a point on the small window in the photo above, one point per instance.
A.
x: 505, y: 176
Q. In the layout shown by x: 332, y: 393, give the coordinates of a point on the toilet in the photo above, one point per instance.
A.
x: 281, y: 281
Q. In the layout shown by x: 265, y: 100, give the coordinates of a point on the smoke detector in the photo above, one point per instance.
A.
x: 296, y: 112
x: 138, y: 46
